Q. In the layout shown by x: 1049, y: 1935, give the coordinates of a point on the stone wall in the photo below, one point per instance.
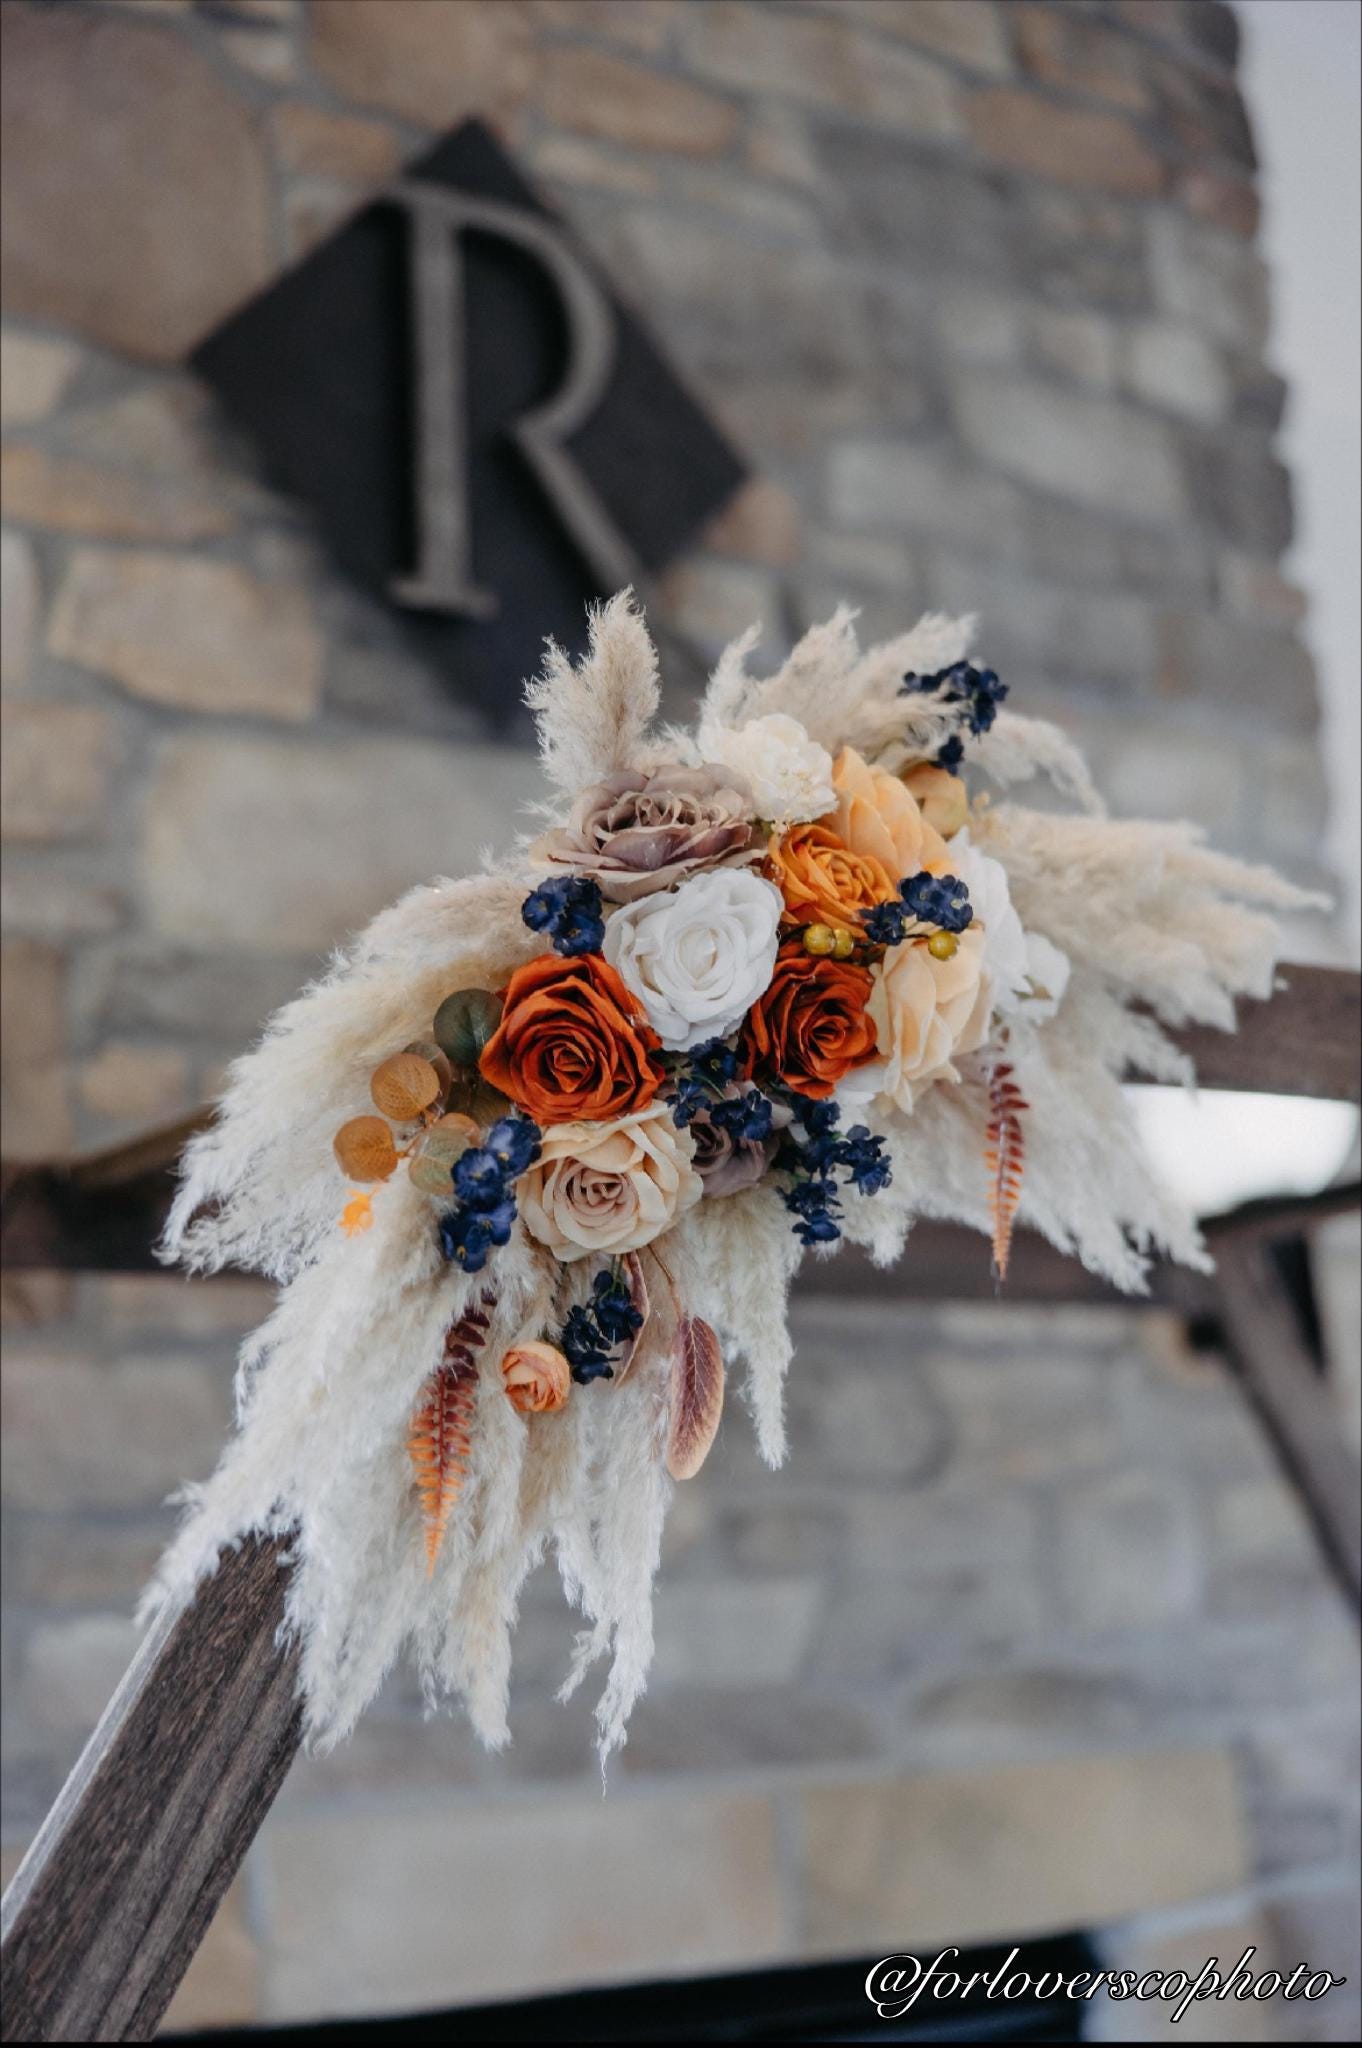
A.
x: 976, y: 288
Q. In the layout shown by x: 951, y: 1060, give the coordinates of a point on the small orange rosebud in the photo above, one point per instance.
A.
x: 537, y: 1378
x: 358, y: 1213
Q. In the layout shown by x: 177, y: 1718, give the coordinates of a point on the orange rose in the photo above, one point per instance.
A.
x: 572, y: 1046
x: 879, y: 819
x: 824, y: 882
x: 536, y: 1378
x: 811, y: 1027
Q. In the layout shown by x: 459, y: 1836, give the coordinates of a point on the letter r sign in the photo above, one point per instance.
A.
x: 483, y: 434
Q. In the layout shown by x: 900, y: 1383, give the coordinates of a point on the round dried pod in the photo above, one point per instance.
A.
x: 464, y: 1022
x: 427, y: 1049
x: 364, y: 1149
x: 445, y: 1142
x: 404, y: 1085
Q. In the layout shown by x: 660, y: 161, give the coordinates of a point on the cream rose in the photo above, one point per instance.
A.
x: 698, y: 959
x: 925, y: 1011
x: 789, y: 775
x: 602, y: 1188
x: 1004, y: 962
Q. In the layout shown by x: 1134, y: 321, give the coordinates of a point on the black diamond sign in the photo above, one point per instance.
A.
x: 485, y: 436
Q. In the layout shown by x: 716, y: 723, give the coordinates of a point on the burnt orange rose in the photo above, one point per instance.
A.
x: 824, y: 882
x: 572, y: 1046
x: 810, y: 1028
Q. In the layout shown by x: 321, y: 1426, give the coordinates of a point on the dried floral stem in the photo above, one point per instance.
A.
x: 1004, y: 1155
x: 441, y: 1428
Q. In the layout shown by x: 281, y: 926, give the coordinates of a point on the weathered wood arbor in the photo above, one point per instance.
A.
x: 118, y: 1887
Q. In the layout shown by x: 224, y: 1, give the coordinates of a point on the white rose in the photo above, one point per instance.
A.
x: 1047, y: 974
x: 1005, y: 965
x: 598, y: 1189
x: 789, y: 774
x: 698, y: 958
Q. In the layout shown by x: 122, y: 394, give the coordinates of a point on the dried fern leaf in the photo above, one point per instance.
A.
x: 1005, y: 1157
x: 697, y: 1397
x: 441, y: 1427
x: 632, y: 1266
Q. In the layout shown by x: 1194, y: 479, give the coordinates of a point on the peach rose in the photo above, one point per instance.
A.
x: 940, y: 796
x: 925, y: 1011
x: 537, y: 1378
x: 824, y: 882
x: 879, y: 819
x: 601, y: 1188
x: 573, y: 1043
x: 811, y: 1026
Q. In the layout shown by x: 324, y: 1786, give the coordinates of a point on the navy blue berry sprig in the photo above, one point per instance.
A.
x: 979, y: 692
x: 567, y: 909
x: 923, y: 899
x: 813, y: 1152
x: 484, y: 1210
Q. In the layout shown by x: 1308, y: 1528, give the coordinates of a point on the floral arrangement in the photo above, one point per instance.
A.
x: 535, y: 1162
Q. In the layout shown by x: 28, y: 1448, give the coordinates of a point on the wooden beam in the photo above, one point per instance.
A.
x: 118, y: 1888
x: 1305, y: 1041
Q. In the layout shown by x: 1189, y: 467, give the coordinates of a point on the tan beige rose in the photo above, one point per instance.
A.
x: 877, y: 818
x: 926, y: 1012
x: 638, y: 832
x: 597, y: 1189
x: 940, y: 796
x: 537, y: 1378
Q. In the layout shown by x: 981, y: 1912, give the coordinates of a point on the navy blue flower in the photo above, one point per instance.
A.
x: 816, y: 1206
x: 500, y: 1221
x: 715, y: 1062
x: 479, y: 1178
x: 466, y: 1238
x: 568, y: 909
x: 862, y: 1155
x: 616, y: 1317
x: 938, y: 899
x: 587, y: 1354
x: 885, y: 923
x: 747, y: 1118
x: 691, y: 1096
x: 811, y: 1230
x: 951, y: 753
x: 515, y: 1142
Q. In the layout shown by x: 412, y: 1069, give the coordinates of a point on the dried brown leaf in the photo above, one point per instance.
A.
x: 697, y: 1397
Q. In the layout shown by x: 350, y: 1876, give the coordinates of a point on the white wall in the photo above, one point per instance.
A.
x: 1303, y: 80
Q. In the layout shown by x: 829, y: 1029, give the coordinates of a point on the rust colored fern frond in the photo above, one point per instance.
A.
x: 441, y: 1428
x: 1005, y: 1157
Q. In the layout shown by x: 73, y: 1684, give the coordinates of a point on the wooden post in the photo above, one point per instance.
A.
x: 120, y: 1884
